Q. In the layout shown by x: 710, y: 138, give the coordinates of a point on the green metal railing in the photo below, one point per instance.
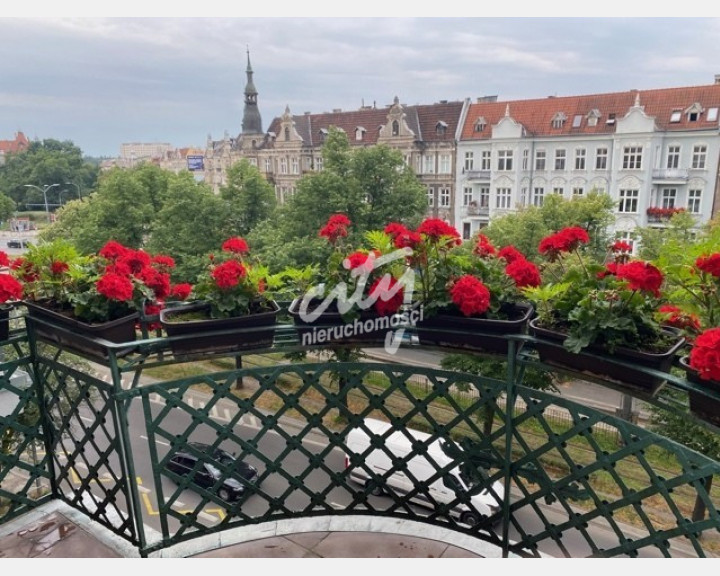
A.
x: 105, y: 431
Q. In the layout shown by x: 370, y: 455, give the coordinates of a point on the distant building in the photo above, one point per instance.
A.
x: 654, y: 151
x: 137, y: 152
x: 19, y: 144
x: 292, y: 146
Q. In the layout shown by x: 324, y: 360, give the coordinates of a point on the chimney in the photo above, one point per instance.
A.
x: 717, y: 78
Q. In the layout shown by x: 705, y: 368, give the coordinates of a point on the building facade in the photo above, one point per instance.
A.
x: 426, y: 135
x: 654, y: 151
x: 19, y: 143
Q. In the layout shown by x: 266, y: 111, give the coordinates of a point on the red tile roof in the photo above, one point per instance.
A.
x: 536, y: 115
x: 422, y: 120
x: 18, y: 145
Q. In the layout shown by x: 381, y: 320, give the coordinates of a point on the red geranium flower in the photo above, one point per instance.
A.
x: 641, y: 276
x: 10, y: 288
x: 402, y: 237
x: 113, y: 250
x: 524, y: 273
x: 610, y: 270
x: 335, y: 227
x: 115, y: 287
x: 621, y: 246
x: 470, y: 295
x: 710, y: 264
x: 705, y: 354
x: 389, y: 295
x: 58, y: 268
x: 435, y: 228
x: 566, y: 240
x: 484, y: 247
x: 4, y: 259
x: 135, y: 260
x: 228, y: 274
x: 674, y: 316
x: 510, y: 254
x: 180, y: 291
x: 158, y: 282
x: 361, y: 259
x: 236, y: 245
x: 163, y: 263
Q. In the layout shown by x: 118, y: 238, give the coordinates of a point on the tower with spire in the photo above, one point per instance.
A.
x: 251, y: 122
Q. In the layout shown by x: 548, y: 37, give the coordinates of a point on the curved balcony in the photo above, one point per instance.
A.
x: 540, y: 475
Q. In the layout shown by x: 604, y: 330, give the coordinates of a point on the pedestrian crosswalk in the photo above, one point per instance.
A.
x: 224, y: 412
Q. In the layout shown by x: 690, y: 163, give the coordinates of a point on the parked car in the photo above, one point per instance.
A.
x: 18, y: 243
x: 210, y: 468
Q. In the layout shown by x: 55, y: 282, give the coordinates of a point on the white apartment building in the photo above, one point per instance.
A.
x: 653, y: 151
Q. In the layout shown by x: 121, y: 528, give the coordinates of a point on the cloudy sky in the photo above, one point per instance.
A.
x: 102, y: 81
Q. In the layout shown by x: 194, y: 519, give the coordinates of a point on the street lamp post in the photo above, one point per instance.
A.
x: 44, y: 190
x: 78, y: 189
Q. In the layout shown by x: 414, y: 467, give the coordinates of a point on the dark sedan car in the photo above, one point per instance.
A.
x: 214, y: 468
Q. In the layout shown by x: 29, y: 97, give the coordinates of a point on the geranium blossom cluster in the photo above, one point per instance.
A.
x: 566, y: 240
x: 10, y: 288
x: 335, y: 228
x: 705, y: 355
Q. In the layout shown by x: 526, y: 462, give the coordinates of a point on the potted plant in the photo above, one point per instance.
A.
x: 693, y: 278
x: 357, y: 295
x: 230, y: 307
x: 79, y: 301
x: 590, y: 315
x: 470, y: 294
x: 11, y: 291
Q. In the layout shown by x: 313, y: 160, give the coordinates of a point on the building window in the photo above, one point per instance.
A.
x: 577, y: 120
x: 558, y: 120
x: 319, y: 163
x: 485, y: 160
x: 268, y: 165
x: 667, y: 198
x: 628, y: 201
x: 675, y: 116
x: 467, y: 195
x: 525, y: 158
x: 560, y: 159
x: 580, y: 159
x: 502, y: 197
x: 444, y: 164
x: 505, y: 158
x: 698, y: 157
x: 538, y: 196
x: 444, y: 197
x: 693, y: 203
x: 673, y: 157
x: 484, y: 201
x: 628, y: 238
x: 559, y: 190
x: 712, y: 114
x: 359, y: 133
x: 469, y: 160
x: 428, y: 164
x: 540, y: 159
x: 295, y: 166
x: 578, y: 191
x: 395, y: 128
x: 431, y: 196
x: 283, y: 166
x: 480, y: 124
x: 441, y: 128
x: 632, y: 158
x: 466, y: 230
x: 601, y: 158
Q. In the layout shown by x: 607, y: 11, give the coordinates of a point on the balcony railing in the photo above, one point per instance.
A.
x: 477, y: 174
x: 471, y: 210
x: 671, y: 174
x: 100, y: 436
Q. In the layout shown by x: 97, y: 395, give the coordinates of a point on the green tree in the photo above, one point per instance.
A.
x: 7, y: 207
x: 525, y: 228
x: 248, y: 197
x: 372, y: 186
x: 43, y: 163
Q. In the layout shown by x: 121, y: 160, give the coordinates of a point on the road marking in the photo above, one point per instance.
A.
x: 156, y: 441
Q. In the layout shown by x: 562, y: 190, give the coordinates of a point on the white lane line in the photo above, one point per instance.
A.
x: 156, y: 441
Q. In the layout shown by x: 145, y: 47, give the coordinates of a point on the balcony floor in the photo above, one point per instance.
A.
x: 56, y: 530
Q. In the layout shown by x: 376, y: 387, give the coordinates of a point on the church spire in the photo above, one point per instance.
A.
x: 252, y: 122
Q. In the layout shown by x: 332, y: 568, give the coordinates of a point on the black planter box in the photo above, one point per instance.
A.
x: 453, y: 330
x: 702, y: 405
x: 597, y: 361
x: 86, y: 339
x: 217, y: 335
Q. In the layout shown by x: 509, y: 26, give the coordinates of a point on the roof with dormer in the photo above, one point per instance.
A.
x: 670, y: 107
x: 422, y: 120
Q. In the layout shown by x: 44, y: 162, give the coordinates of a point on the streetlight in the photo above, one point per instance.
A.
x: 44, y: 190
x: 78, y: 189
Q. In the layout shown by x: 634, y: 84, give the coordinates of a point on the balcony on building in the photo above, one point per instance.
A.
x: 483, y: 175
x: 670, y: 175
x: 473, y: 209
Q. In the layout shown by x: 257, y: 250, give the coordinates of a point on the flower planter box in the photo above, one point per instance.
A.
x: 702, y: 405
x: 193, y: 337
x: 597, y: 361
x: 54, y: 327
x: 451, y: 329
x: 331, y: 328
